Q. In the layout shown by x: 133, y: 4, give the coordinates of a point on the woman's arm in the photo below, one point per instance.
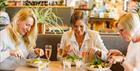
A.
x: 129, y: 67
x: 63, y: 45
x: 3, y: 53
x: 99, y: 44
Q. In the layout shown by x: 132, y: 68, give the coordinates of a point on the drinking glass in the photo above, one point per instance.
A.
x: 84, y: 56
x: 66, y: 64
x: 78, y: 63
x: 59, y: 51
x: 48, y: 51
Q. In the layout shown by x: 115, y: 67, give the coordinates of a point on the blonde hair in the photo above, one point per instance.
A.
x: 130, y: 22
x: 30, y: 38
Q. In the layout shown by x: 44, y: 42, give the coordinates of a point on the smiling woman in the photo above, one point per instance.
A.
x: 81, y: 41
x: 18, y: 39
x: 25, y: 26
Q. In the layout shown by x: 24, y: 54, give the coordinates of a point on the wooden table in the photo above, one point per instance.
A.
x: 53, y: 66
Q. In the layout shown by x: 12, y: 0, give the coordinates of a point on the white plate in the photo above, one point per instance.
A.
x: 96, y: 69
x: 36, y: 62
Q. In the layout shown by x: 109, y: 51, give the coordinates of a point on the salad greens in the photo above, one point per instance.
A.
x: 73, y: 57
x: 97, y: 61
x: 35, y: 61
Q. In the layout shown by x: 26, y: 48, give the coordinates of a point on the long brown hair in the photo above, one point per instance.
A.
x: 77, y: 15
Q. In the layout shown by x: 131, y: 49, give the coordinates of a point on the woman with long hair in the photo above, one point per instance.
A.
x: 80, y: 39
x: 18, y: 39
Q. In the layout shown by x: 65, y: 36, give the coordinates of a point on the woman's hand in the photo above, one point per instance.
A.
x: 15, y: 53
x: 114, y: 52
x: 91, y: 51
x: 115, y: 56
x: 67, y: 49
x: 39, y: 52
x: 118, y: 58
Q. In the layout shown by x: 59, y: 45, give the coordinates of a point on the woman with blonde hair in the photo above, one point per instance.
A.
x: 129, y: 28
x: 18, y: 39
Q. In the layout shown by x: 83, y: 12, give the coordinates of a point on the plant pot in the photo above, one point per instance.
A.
x: 41, y: 28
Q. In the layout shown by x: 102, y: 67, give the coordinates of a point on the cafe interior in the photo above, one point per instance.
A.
x: 54, y: 19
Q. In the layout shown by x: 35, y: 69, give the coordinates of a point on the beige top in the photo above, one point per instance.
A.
x: 92, y: 40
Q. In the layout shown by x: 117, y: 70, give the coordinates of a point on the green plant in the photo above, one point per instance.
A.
x: 49, y: 18
x: 3, y: 4
x: 97, y: 60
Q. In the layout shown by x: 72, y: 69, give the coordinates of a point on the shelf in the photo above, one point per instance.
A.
x: 15, y: 1
x: 34, y: 3
x: 82, y: 9
x: 101, y: 19
x: 41, y: 6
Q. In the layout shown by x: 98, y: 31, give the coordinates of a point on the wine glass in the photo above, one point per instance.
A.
x: 59, y: 51
x: 84, y: 55
x: 48, y: 51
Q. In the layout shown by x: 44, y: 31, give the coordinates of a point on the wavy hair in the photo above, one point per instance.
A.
x: 31, y: 36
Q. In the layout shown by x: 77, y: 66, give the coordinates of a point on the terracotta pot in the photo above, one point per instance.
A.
x: 41, y: 28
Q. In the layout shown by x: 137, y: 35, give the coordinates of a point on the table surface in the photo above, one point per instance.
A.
x: 53, y: 66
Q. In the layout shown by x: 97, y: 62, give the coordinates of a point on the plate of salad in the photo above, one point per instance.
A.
x: 72, y: 58
x: 36, y: 62
x: 98, y: 65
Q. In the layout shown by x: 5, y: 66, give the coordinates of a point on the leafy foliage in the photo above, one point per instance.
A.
x: 97, y: 60
x: 3, y: 4
x: 48, y: 17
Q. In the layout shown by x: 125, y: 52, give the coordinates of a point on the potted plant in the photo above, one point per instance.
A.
x: 3, y: 4
x: 47, y: 18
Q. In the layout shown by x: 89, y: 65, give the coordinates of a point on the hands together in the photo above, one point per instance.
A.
x: 115, y: 56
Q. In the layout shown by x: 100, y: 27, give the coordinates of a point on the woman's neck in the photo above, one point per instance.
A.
x: 79, y: 39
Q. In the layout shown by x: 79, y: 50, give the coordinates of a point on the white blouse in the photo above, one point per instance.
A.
x: 8, y: 62
x: 133, y: 55
x: 92, y: 40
